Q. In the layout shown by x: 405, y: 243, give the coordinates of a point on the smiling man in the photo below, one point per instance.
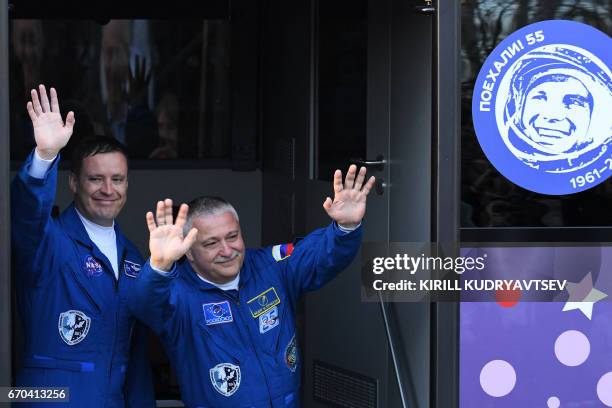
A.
x: 226, y: 314
x: 73, y: 273
x: 98, y: 180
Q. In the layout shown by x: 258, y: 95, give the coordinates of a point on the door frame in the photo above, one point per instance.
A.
x: 446, y: 199
x: 5, y: 233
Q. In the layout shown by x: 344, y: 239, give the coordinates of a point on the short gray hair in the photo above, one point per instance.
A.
x: 207, y: 205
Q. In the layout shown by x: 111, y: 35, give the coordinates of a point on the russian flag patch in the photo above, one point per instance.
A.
x: 280, y: 252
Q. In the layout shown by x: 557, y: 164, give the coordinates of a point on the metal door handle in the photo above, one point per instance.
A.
x: 378, y: 164
x: 426, y: 8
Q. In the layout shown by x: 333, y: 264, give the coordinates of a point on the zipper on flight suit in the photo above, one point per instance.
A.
x: 116, y: 302
x: 253, y: 345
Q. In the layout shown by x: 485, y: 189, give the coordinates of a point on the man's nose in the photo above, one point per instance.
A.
x: 107, y: 186
x: 226, y: 250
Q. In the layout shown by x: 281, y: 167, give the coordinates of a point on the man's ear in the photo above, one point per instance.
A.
x: 72, y: 182
x: 189, y: 255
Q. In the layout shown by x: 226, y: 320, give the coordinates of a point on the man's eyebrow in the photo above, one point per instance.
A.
x: 102, y: 174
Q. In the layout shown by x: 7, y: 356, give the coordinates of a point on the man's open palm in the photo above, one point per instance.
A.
x: 349, y: 203
x: 166, y: 241
x: 50, y: 132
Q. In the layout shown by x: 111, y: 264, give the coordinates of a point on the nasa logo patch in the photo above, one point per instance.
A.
x: 73, y: 326
x: 225, y: 378
x: 541, y: 107
x: 92, y: 267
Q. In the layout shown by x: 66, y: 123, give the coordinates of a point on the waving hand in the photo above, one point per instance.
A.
x: 349, y: 203
x: 50, y: 132
x: 166, y: 241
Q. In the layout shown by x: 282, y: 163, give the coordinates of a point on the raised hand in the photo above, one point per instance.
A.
x: 50, y: 132
x: 138, y: 82
x: 349, y: 203
x: 166, y: 241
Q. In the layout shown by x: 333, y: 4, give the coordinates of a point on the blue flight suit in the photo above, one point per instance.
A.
x: 238, y: 348
x: 77, y: 328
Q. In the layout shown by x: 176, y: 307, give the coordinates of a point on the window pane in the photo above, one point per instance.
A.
x: 342, y: 88
x: 488, y: 198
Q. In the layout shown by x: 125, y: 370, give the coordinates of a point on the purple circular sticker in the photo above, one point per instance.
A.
x: 541, y: 107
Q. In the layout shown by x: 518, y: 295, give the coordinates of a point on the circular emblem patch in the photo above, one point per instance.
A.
x: 92, y: 267
x: 541, y: 107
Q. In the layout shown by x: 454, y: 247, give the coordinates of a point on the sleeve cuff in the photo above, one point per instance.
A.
x: 39, y: 166
x: 164, y: 273
x: 347, y: 230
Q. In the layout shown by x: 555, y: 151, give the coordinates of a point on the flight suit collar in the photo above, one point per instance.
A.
x: 76, y: 230
x: 192, y: 276
x: 74, y: 227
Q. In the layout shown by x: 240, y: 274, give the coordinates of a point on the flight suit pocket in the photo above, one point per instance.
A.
x: 224, y: 340
x: 82, y: 288
x: 77, y: 376
x: 39, y: 361
x: 285, y: 322
x: 268, y: 324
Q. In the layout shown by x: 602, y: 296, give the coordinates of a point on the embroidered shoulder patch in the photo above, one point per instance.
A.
x: 291, y: 354
x: 280, y: 252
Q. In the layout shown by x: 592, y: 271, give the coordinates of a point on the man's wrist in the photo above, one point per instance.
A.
x: 39, y: 166
x: 46, y: 154
x: 161, y: 265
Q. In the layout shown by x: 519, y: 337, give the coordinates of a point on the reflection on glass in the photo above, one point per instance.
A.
x: 159, y: 87
x: 342, y: 72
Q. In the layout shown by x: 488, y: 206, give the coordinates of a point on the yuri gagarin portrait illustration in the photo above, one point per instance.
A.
x: 554, y: 108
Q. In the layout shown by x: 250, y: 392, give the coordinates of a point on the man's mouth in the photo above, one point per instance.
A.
x: 104, y: 201
x: 227, y: 260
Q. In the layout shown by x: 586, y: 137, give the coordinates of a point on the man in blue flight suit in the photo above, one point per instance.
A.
x: 226, y: 315
x: 73, y: 274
